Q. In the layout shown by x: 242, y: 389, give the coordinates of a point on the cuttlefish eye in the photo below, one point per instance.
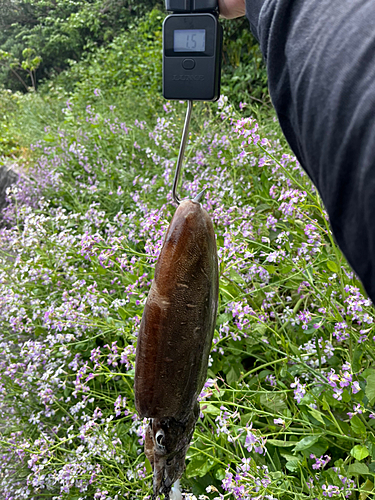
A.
x: 160, y: 439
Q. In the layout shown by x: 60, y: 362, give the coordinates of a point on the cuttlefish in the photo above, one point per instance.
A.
x: 174, y: 341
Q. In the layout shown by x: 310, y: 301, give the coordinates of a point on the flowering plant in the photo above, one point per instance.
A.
x: 287, y: 410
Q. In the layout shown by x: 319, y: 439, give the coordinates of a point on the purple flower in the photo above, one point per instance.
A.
x: 321, y: 462
x: 330, y: 490
x: 305, y: 317
x: 279, y: 421
x: 227, y: 481
x: 271, y: 379
x: 299, y: 389
x: 254, y: 442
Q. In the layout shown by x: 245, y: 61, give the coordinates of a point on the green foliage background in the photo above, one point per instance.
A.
x: 65, y: 33
x: 61, y: 32
x: 116, y: 65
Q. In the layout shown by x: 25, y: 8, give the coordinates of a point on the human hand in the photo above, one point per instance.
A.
x: 232, y: 8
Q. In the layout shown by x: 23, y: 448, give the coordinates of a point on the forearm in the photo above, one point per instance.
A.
x: 232, y: 8
x: 320, y: 58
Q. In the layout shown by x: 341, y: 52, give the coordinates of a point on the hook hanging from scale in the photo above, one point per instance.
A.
x: 185, y: 134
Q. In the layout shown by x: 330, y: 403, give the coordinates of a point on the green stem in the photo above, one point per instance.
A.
x: 280, y: 360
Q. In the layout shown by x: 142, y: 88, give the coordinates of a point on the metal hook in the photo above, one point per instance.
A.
x: 181, y: 152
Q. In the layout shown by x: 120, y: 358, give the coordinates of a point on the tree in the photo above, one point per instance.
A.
x: 59, y: 32
x: 29, y: 65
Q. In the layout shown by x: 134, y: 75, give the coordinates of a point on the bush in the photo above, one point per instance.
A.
x: 60, y: 31
x: 114, y: 72
x: 244, y: 75
x: 131, y: 58
x: 8, y: 109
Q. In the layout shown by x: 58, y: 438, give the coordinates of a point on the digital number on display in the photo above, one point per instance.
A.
x: 189, y: 40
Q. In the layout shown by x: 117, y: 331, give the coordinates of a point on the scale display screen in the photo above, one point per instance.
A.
x: 189, y: 40
x: 192, y: 55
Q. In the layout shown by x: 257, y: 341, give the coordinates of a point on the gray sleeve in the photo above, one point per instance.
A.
x: 320, y: 57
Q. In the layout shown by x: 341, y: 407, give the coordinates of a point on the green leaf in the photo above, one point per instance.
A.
x: 286, y: 269
x: 39, y: 331
x: 332, y: 477
x: 370, y: 388
x: 229, y: 290
x: 308, y: 399
x: 237, y: 278
x: 49, y: 138
x: 262, y: 207
x: 332, y: 266
x: 357, y: 425
x: 260, y: 329
x: 220, y: 474
x: 318, y: 449
x: 370, y: 443
x: 245, y: 418
x: 357, y: 468
x: 359, y: 452
x: 100, y: 270
x: 233, y: 375
x: 148, y: 466
x: 366, y: 489
x: 274, y: 402
x: 223, y: 318
x: 294, y: 349
x: 356, y: 360
x: 306, y: 442
x: 326, y: 406
x: 292, y: 462
x: 122, y: 312
x: 271, y: 269
x: 346, y: 396
x: 28, y: 52
x: 309, y: 273
x: 279, y: 443
x: 316, y: 414
x: 292, y: 465
x: 277, y: 464
x: 199, y: 466
x: 209, y: 408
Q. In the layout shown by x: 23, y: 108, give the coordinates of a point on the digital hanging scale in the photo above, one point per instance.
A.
x: 192, y: 42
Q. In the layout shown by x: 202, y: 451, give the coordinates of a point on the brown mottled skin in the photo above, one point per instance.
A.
x: 175, y: 339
